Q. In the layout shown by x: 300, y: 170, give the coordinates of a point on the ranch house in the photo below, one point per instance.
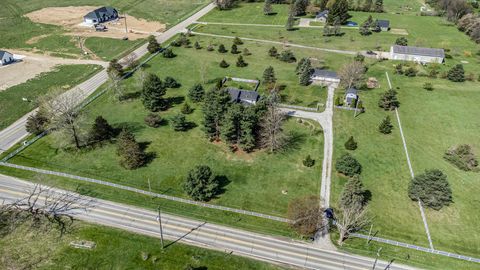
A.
x: 324, y: 77
x: 243, y: 96
x: 417, y: 54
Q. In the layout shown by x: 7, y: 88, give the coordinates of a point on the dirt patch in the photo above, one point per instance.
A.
x: 397, y: 31
x: 71, y: 18
x: 35, y: 39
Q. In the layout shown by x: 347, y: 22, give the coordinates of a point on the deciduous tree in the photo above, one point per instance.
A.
x: 306, y: 215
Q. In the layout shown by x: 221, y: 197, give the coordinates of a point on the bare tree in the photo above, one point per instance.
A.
x: 115, y: 85
x: 351, y: 219
x: 306, y: 215
x: 352, y: 74
x: 271, y: 125
x: 62, y: 114
x: 141, y: 77
x: 455, y: 9
x: 130, y: 60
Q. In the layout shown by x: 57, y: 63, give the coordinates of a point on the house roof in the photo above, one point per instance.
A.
x: 239, y: 95
x: 3, y: 53
x: 383, y: 23
x: 418, y: 51
x: 100, y: 12
x: 322, y: 14
x: 351, y: 91
x: 317, y: 72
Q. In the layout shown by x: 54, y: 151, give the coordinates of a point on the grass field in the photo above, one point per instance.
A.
x: 63, y: 77
x: 109, y: 48
x: 115, y: 249
x: 255, y: 181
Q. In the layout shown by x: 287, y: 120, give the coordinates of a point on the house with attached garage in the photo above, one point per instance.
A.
x: 243, y: 96
x: 6, y: 58
x: 101, y: 15
x: 417, y: 54
x: 324, y: 77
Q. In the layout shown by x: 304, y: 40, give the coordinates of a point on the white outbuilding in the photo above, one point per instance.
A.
x: 417, y: 54
x: 324, y: 77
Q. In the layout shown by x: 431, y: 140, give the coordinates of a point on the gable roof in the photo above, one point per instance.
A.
x: 317, y: 72
x: 418, y: 51
x: 351, y: 91
x: 100, y: 12
x: 322, y: 14
x: 383, y: 23
x: 238, y: 95
x: 4, y: 53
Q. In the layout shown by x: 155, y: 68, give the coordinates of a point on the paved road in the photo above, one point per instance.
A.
x: 16, y: 132
x: 207, y: 235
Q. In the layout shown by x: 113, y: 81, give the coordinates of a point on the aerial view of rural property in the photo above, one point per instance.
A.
x: 239, y: 134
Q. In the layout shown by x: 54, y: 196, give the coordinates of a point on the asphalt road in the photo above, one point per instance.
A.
x: 229, y: 240
x: 16, y: 132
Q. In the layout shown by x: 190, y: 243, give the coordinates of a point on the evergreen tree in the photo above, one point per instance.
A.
x: 231, y: 128
x: 365, y: 27
x: 273, y: 52
x: 170, y: 82
x: 114, y: 67
x: 290, y: 20
x: 300, y: 7
x: 153, y: 91
x: 153, y: 45
x: 215, y: 106
x: 338, y: 12
x: 234, y: 49
x: 153, y: 120
x: 431, y: 188
x: 306, y: 74
x: 386, y: 126
x: 308, y: 161
x: 241, y: 62
x: 196, y: 93
x: 402, y: 41
x: 224, y: 64
x: 201, y: 184
x: 267, y: 7
x: 101, y: 130
x: 130, y: 152
x: 300, y: 64
x: 353, y: 194
x: 221, y: 49
x: 237, y: 41
x: 248, y: 127
x: 287, y: 56
x: 389, y: 101
x: 348, y: 165
x: 351, y: 144
x: 269, y: 75
x: 179, y: 122
x: 36, y: 123
x: 168, y: 53
x: 186, y: 108
x: 246, y: 52
x: 197, y: 45
x: 379, y: 6
x: 367, y: 6
x: 456, y: 73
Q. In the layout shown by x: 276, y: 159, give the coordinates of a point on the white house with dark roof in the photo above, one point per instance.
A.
x: 324, y: 77
x: 101, y: 15
x: 6, y: 58
x: 384, y: 25
x: 243, y: 96
x: 417, y: 54
x: 322, y: 16
x: 351, y: 96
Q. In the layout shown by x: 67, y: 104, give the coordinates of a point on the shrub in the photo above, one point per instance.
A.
x: 411, y: 72
x: 201, y: 184
x: 402, y: 41
x: 197, y: 45
x: 359, y: 57
x: 224, y: 64
x: 114, y: 67
x: 470, y: 77
x: 287, y: 56
x: 431, y: 188
x: 308, y: 161
x: 241, y: 62
x: 246, y: 52
x: 196, y: 93
x: 130, y: 152
x: 186, y: 109
x: 237, y: 41
x: 386, y: 126
x: 348, y: 165
x: 273, y: 52
x: 210, y: 48
x: 221, y: 49
x: 153, y: 45
x: 462, y: 157
x: 36, y: 123
x: 399, y: 69
x: 351, y: 144
x: 171, y: 82
x: 179, y: 122
x: 456, y: 73
x: 168, y: 53
x: 428, y: 86
x: 338, y: 101
x: 153, y: 120
x: 234, y: 49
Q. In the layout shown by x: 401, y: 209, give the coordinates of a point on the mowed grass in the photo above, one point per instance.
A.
x: 254, y: 181
x: 62, y: 77
x: 115, y: 249
x: 432, y: 122
x: 249, y: 13
x: 110, y: 48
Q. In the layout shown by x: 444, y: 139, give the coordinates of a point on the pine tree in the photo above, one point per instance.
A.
x: 201, y: 184
x: 197, y: 45
x: 402, y: 41
x: 290, y: 20
x: 432, y: 189
x: 308, y: 161
x: 153, y: 91
x: 300, y: 64
x: 224, y: 64
x: 221, y: 49
x: 246, y: 52
x: 186, y: 108
x: 351, y: 144
x: 389, y: 101
x: 348, y: 165
x: 273, y: 52
x: 386, y: 126
x: 237, y: 41
x: 196, y: 93
x: 241, y: 62
x: 338, y: 13
x: 269, y: 75
x: 234, y: 49
x: 456, y: 73
x: 170, y: 82
x: 130, y: 152
x: 168, y: 53
x: 287, y: 56
x: 379, y: 6
x: 367, y: 6
x: 267, y: 7
x: 215, y: 106
x: 300, y: 7
x: 179, y: 122
x: 353, y: 194
x: 114, y: 67
x: 304, y: 78
x: 101, y: 130
x: 248, y: 128
x: 231, y: 128
x: 153, y: 45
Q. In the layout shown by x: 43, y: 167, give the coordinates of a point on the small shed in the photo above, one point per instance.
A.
x: 6, y: 58
x: 322, y: 16
x: 417, y: 54
x: 324, y: 77
x: 243, y: 96
x: 384, y: 25
x: 351, y: 96
x: 101, y: 15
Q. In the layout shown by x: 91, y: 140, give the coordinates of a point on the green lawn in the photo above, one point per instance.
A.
x: 109, y: 48
x: 255, y: 181
x: 432, y: 122
x: 63, y: 77
x: 115, y: 249
x: 250, y: 13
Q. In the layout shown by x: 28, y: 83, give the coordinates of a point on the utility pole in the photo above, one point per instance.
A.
x: 376, y: 258
x: 125, y: 17
x: 149, y: 186
x: 369, y: 234
x: 159, y: 219
x: 389, y: 264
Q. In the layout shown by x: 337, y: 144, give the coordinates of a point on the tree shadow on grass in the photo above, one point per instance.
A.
x: 223, y: 182
x: 130, y: 96
x: 173, y: 101
x: 149, y: 156
x: 130, y: 126
x: 294, y: 140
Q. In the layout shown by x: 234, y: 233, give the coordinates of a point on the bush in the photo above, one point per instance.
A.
x: 411, y: 72
x: 241, y: 62
x: 348, y: 165
x: 402, y: 41
x: 36, y: 123
x: 428, y: 86
x: 168, y: 53
x: 197, y: 45
x: 431, y: 188
x: 234, y: 49
x: 462, y: 157
x: 456, y: 74
x: 351, y: 144
x: 221, y: 49
x: 210, y: 48
x: 308, y: 161
x: 224, y: 64
x: 186, y: 109
x: 246, y: 52
x: 237, y: 41
x: 201, y: 184
x: 338, y: 101
x: 153, y: 120
x: 179, y: 122
x: 196, y: 93
x: 386, y: 126
x: 273, y: 52
x: 359, y: 57
x: 171, y: 82
x: 287, y: 56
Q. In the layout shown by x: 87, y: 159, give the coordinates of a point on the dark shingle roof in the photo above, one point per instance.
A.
x: 239, y: 95
x: 383, y: 23
x: 418, y: 51
x: 317, y: 72
x: 322, y: 14
x: 2, y: 53
x: 100, y: 12
x: 351, y: 91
